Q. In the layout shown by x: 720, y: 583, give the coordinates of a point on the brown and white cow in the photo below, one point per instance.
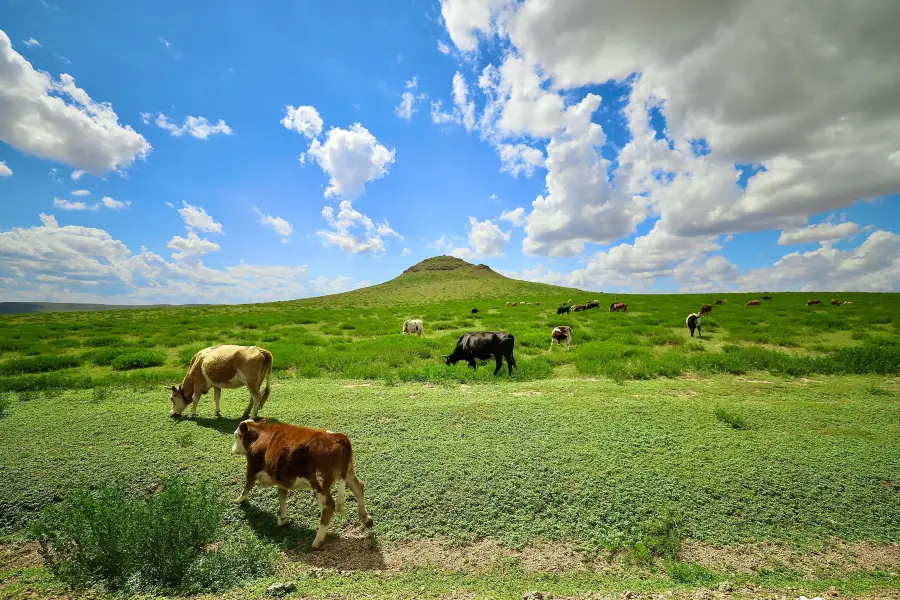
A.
x: 835, y: 302
x: 560, y: 334
x: 224, y: 367
x: 722, y: 301
x: 848, y: 301
x: 415, y: 326
x: 294, y: 458
x: 705, y: 309
x: 811, y: 302
x: 618, y: 306
x: 579, y: 308
x: 753, y: 303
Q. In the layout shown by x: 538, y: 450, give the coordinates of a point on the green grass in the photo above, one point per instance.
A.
x: 731, y: 419
x: 140, y: 359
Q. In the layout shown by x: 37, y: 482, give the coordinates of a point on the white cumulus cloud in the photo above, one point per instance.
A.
x: 196, y: 217
x: 519, y: 158
x: 281, y: 227
x: 81, y: 193
x: 198, y: 127
x: 305, y: 120
x: 515, y: 216
x: 822, y: 232
x: 351, y: 158
x: 4, y: 170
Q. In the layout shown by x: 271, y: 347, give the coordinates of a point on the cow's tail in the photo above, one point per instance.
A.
x: 346, y: 466
x: 267, y: 372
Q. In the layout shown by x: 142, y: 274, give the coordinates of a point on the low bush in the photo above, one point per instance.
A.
x: 105, y: 356
x: 5, y: 403
x: 689, y: 573
x: 144, y: 543
x: 731, y: 419
x: 138, y: 360
x: 39, y: 364
x: 103, y: 341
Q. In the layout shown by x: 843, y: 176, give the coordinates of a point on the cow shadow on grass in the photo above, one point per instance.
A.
x: 220, y: 424
x: 350, y: 550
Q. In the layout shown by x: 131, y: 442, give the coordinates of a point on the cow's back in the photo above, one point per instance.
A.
x: 286, y: 452
x: 229, y: 363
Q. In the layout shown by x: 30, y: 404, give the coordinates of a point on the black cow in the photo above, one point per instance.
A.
x: 693, y: 322
x: 474, y: 311
x: 482, y: 345
x: 563, y: 310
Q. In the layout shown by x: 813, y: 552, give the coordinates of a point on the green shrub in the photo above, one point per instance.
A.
x: 689, y: 573
x: 138, y: 360
x: 5, y: 403
x: 103, y: 341
x: 39, y: 364
x: 111, y: 538
x: 731, y: 419
x: 45, y: 381
x: 105, y: 356
x: 238, y: 561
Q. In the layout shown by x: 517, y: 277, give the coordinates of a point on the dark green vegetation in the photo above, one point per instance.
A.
x: 9, y: 308
x: 731, y: 419
x: 157, y: 541
x: 357, y: 335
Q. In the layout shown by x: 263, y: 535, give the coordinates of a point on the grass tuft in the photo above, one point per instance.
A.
x: 138, y: 360
x: 731, y: 419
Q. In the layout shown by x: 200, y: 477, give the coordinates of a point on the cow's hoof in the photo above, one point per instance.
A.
x: 190, y: 416
x: 281, y: 522
x: 368, y: 522
x: 240, y: 499
x: 245, y: 416
x: 217, y: 414
x: 317, y: 545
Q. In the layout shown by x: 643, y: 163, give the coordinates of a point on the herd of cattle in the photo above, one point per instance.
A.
x: 290, y: 457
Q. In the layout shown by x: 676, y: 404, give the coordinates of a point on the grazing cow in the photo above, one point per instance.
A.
x: 811, y: 302
x: 705, y: 309
x: 415, y: 326
x: 507, y: 303
x: 514, y: 304
x: 579, y: 307
x: 482, y: 345
x: 835, y: 302
x: 537, y: 303
x: 292, y: 458
x: 767, y: 297
x: 848, y: 302
x: 474, y: 311
x: 718, y: 302
x: 618, y: 306
x: 593, y: 304
x: 563, y: 310
x: 693, y: 322
x: 224, y: 367
x: 561, y: 334
x: 753, y: 303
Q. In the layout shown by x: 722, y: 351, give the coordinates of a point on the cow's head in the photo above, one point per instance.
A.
x: 450, y: 359
x: 240, y: 433
x: 179, y: 400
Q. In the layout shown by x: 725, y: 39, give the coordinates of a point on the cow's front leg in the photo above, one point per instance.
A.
x: 282, y: 506
x: 473, y: 364
x: 248, y: 485
x: 499, y: 360
x: 218, y: 396
x: 246, y: 414
x: 194, y: 404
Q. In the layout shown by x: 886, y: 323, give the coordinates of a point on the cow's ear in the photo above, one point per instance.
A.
x: 174, y: 389
x: 243, y: 427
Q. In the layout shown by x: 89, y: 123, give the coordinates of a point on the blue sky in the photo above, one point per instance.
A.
x: 232, y: 153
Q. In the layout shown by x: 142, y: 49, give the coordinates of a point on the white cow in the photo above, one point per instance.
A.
x: 415, y: 326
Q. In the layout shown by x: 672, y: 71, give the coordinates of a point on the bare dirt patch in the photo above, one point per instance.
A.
x: 20, y: 556
x: 527, y: 394
x: 357, y: 385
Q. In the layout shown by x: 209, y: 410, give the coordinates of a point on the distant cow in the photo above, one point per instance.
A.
x: 618, y: 306
x: 482, y: 345
x: 848, y: 302
x: 767, y: 297
x: 537, y: 303
x: 593, y: 304
x: 835, y: 302
x: 474, y: 311
x: 514, y: 304
x: 753, y: 303
x: 224, y: 367
x: 722, y: 301
x: 705, y: 309
x: 293, y: 458
x: 563, y: 310
x: 415, y: 326
x: 507, y: 303
x: 693, y: 322
x: 561, y: 334
x: 579, y: 307
x: 811, y: 302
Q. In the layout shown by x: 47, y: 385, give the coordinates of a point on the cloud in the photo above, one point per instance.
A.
x: 823, y: 232
x: 515, y: 216
x: 58, y: 121
x: 197, y: 127
x: 463, y: 112
x: 305, y: 120
x: 77, y: 174
x: 485, y: 239
x: 519, y: 158
x: 353, y: 232
x: 580, y: 204
x: 281, y: 227
x: 81, y: 193
x: 4, y: 170
x: 407, y: 107
x: 464, y: 19
x: 196, y: 217
x: 443, y: 48
x: 31, y: 43
x: 115, y: 204
x: 165, y: 42
x: 50, y: 263
x: 873, y: 266
x: 351, y: 158
x: 191, y: 247
x: 698, y: 275
x: 405, y: 252
x: 67, y: 205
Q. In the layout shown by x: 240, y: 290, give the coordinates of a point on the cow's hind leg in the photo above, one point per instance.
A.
x: 282, y: 506
x: 325, y: 500
x: 217, y: 394
x: 356, y: 486
x: 253, y: 407
x: 510, y: 362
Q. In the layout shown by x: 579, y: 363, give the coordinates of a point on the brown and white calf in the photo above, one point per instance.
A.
x: 753, y: 303
x: 811, y: 302
x: 296, y: 458
x: 561, y: 334
x: 224, y: 367
x: 415, y: 326
x: 618, y: 306
x: 705, y: 309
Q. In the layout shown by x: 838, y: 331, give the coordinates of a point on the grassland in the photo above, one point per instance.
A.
x: 357, y: 335
x: 766, y: 453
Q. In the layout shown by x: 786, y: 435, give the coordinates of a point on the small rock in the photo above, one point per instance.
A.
x: 281, y: 588
x: 533, y: 596
x: 725, y: 586
x: 749, y: 587
x: 627, y: 594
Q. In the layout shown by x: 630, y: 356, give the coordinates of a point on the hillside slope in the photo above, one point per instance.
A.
x: 442, y: 279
